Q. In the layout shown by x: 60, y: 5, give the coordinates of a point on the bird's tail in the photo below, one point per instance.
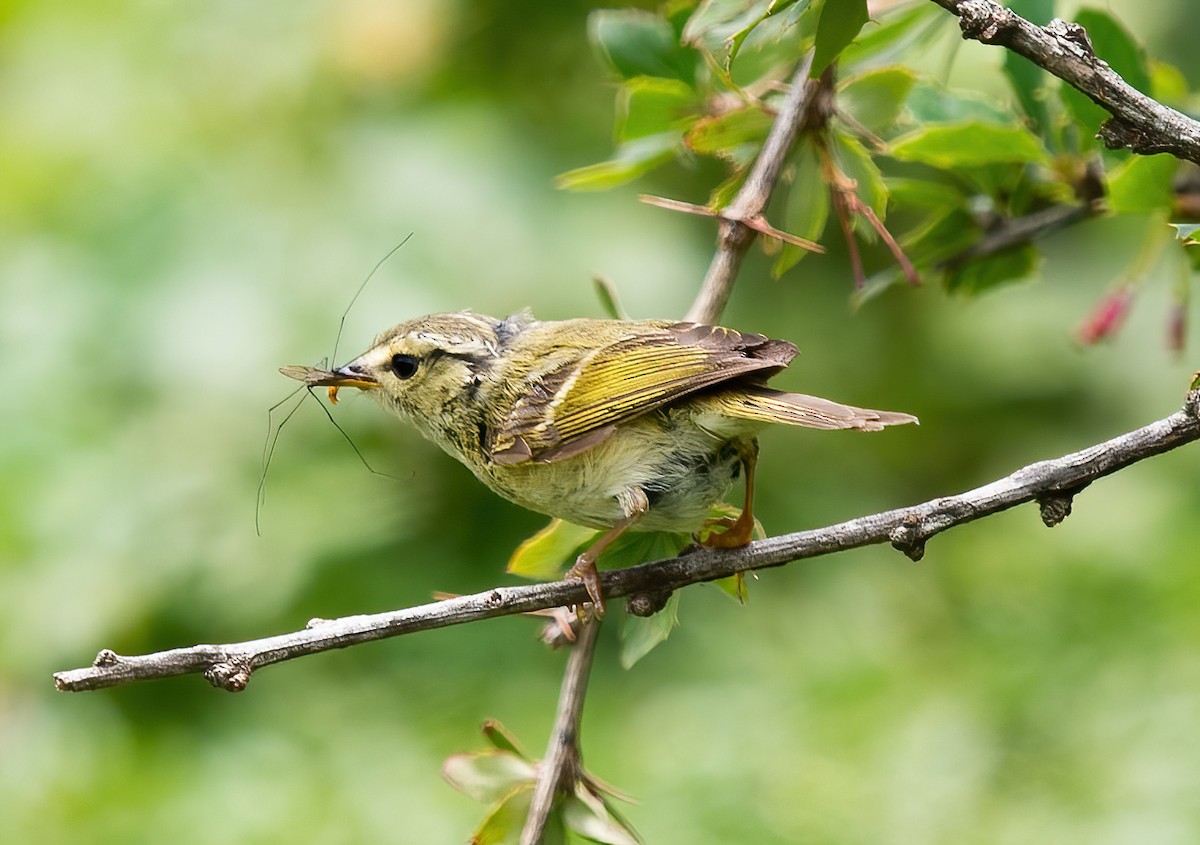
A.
x: 764, y: 404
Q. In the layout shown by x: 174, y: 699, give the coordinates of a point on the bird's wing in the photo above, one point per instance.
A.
x: 580, y: 403
x: 763, y: 404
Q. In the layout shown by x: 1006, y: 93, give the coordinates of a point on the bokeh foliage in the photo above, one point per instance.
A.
x: 191, y: 197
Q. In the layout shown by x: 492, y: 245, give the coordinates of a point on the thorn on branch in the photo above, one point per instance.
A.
x: 906, y: 537
x: 106, y: 657
x: 230, y: 675
x: 647, y: 604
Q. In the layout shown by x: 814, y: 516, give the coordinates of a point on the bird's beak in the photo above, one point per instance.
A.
x: 351, y: 375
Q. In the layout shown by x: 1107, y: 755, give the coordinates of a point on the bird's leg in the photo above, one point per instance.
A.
x: 634, y: 504
x: 738, y: 531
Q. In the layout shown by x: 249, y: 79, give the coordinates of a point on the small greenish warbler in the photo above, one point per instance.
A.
x: 610, y: 424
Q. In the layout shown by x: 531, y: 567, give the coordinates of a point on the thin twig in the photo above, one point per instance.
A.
x: 734, y: 236
x: 1018, y: 231
x: 562, y: 766
x: 1052, y: 483
x: 1138, y: 123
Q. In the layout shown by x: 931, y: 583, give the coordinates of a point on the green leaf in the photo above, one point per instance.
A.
x: 1186, y: 232
x: 924, y: 193
x: 652, y: 106
x: 488, y: 775
x: 547, y: 553
x: 595, y: 823
x: 641, y: 546
x: 724, y: 134
x: 1114, y: 44
x: 940, y: 238
x: 807, y: 208
x: 840, y: 23
x: 1027, y: 79
x: 969, y: 144
x: 932, y: 103
x: 640, y: 43
x: 640, y: 634
x: 633, y: 158
x: 610, y: 301
x: 1143, y: 184
x: 503, y: 824
x: 902, y: 30
x: 979, y: 275
x: 876, y: 98
x: 723, y: 27
x: 723, y: 194
x: 1168, y: 84
x: 501, y: 739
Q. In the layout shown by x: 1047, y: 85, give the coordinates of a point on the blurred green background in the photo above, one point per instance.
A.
x: 190, y: 197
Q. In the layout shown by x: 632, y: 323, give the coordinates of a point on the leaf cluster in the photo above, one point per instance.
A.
x: 920, y: 178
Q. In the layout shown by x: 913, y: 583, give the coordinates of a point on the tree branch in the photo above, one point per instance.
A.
x: 735, y: 234
x: 1138, y: 123
x: 562, y: 766
x: 1052, y: 483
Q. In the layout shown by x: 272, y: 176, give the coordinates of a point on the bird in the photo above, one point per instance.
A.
x: 616, y: 425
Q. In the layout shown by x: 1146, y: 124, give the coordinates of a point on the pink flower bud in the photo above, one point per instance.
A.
x: 1107, y: 316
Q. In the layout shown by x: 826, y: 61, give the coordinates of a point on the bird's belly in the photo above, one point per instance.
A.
x: 682, y: 468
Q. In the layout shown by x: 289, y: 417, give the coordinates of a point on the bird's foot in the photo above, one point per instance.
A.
x: 585, y: 570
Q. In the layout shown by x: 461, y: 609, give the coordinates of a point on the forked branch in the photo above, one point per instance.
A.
x: 1138, y: 122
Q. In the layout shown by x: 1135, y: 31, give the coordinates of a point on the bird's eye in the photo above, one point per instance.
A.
x: 405, y: 366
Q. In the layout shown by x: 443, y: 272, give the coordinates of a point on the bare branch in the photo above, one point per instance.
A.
x: 562, y: 766
x: 1138, y: 123
x: 735, y: 236
x: 1052, y: 483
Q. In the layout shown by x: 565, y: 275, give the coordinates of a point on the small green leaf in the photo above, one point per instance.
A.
x: 903, y: 30
x: 1186, y: 232
x: 924, y: 193
x: 1168, y: 84
x: 840, y: 23
x: 979, y: 275
x: 640, y: 634
x: 722, y: 27
x: 595, y: 824
x: 641, y: 546
x: 488, y: 775
x: 722, y: 135
x: 734, y: 586
x: 504, y: 823
x: 969, y: 144
x: 876, y: 98
x: 547, y: 553
x: 633, y: 158
x: 652, y: 106
x: 1143, y: 184
x: 940, y: 238
x: 723, y: 194
x: 610, y: 301
x: 640, y: 43
x: 932, y: 103
x: 807, y: 208
x: 501, y: 739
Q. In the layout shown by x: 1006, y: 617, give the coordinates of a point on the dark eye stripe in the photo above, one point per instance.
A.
x: 405, y: 366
